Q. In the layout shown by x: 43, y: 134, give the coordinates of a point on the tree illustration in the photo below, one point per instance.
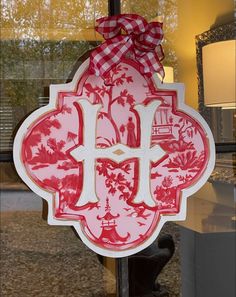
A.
x: 116, y: 181
x: 32, y: 141
x: 71, y: 137
x: 105, y: 94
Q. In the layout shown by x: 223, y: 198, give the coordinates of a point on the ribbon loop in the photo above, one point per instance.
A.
x: 110, y: 27
x: 142, y: 41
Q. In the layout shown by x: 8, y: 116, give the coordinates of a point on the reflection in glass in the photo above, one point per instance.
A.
x: 41, y: 42
x: 162, y: 11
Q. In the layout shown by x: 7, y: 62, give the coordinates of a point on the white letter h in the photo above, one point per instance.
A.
x: 88, y: 153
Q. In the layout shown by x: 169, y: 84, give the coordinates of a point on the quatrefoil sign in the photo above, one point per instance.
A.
x: 115, y: 158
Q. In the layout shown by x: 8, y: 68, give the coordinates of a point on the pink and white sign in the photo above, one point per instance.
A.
x: 116, y: 159
x: 116, y: 153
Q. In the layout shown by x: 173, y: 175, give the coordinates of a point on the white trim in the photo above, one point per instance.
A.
x: 54, y: 89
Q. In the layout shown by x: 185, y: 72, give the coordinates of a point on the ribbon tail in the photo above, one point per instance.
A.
x: 150, y: 63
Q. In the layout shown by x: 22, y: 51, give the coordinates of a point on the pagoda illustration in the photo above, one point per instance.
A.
x: 108, y: 225
x: 162, y: 128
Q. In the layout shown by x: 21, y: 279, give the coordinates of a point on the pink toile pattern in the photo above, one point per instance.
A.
x: 115, y: 225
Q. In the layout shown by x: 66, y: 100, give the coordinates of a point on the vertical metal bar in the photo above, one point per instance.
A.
x: 122, y: 268
x: 113, y: 7
x: 122, y: 277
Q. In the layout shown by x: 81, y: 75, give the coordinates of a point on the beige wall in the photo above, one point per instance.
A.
x: 195, y: 17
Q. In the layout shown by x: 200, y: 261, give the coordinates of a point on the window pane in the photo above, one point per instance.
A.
x: 41, y: 43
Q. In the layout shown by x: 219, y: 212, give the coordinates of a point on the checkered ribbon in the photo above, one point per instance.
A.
x: 140, y: 42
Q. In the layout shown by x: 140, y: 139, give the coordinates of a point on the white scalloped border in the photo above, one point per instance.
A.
x: 54, y: 89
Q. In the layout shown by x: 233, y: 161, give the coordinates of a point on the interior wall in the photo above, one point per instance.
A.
x: 196, y: 17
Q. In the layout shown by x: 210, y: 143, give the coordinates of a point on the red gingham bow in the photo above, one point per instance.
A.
x: 141, y: 43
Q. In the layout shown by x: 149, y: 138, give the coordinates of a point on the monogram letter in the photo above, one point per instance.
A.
x: 88, y: 153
